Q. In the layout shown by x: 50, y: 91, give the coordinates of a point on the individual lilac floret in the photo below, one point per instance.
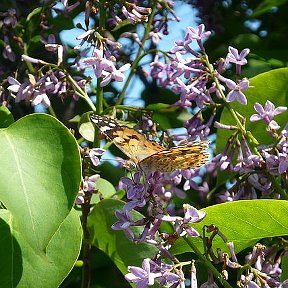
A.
x: 191, y: 215
x: 233, y: 56
x: 9, y: 18
x: 236, y: 93
x: 182, y: 226
x: 89, y: 183
x: 198, y: 34
x: 94, y: 153
x: 135, y: 189
x: 145, y: 276
x: 88, y: 186
x: 277, y: 164
x: 124, y: 223
x: 105, y: 68
x: 267, y: 113
x: 114, y: 74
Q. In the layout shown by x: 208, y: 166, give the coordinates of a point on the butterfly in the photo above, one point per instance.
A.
x: 148, y: 155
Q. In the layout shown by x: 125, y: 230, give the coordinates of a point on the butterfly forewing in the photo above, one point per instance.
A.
x: 128, y: 140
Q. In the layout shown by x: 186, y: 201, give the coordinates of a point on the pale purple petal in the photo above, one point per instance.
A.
x: 259, y: 108
x: 274, y: 125
x: 255, y: 117
x: 231, y: 96
x: 241, y: 98
x: 280, y: 110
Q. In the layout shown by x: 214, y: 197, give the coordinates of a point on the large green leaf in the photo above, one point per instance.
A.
x: 243, y: 222
x: 114, y: 243
x: 39, y: 180
x: 271, y: 86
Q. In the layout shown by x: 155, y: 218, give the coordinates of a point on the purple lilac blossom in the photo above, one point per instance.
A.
x: 151, y: 271
x: 88, y: 185
x: 267, y: 113
x: 233, y: 56
x: 39, y: 89
x: 10, y: 18
x: 236, y: 93
x: 105, y: 68
x: 32, y: 89
x: 198, y: 34
x: 94, y: 154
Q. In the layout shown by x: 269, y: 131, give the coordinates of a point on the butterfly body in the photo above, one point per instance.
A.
x: 148, y: 155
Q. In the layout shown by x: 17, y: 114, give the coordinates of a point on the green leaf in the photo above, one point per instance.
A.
x: 66, y: 23
x: 86, y: 128
x: 244, y: 222
x: 6, y: 117
x: 105, y: 188
x: 160, y: 106
x: 271, y: 86
x: 284, y: 267
x: 39, y: 181
x: 266, y: 6
x: 75, y: 119
x: 114, y: 243
x: 36, y: 11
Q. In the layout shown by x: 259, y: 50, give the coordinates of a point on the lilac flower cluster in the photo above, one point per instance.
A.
x: 39, y: 89
x: 9, y: 20
x: 199, y: 89
x: 88, y: 185
x: 105, y: 68
x: 207, y: 82
x: 269, y: 160
x: 154, y: 195
x: 135, y: 13
x: 262, y: 267
x: 165, y: 274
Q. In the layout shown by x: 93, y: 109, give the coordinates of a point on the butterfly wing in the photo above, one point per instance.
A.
x: 128, y: 140
x: 181, y: 157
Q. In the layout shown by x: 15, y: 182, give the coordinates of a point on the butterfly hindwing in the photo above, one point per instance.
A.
x: 181, y: 157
